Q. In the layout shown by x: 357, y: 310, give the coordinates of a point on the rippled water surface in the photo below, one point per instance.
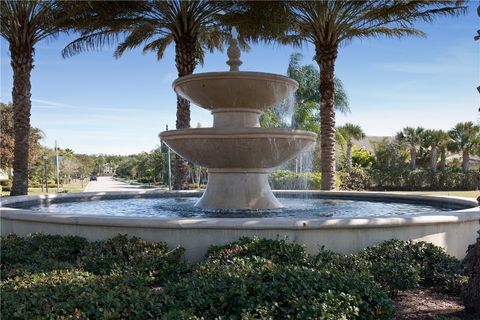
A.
x: 184, y: 208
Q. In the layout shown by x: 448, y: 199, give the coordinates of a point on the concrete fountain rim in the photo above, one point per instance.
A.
x: 219, y: 75
x: 238, y: 133
x: 470, y: 213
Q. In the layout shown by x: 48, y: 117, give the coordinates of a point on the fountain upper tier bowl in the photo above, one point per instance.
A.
x: 257, y: 148
x: 234, y: 90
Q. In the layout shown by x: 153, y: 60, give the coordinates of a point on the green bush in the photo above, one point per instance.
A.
x: 75, y: 294
x: 34, y: 184
x: 127, y: 255
x: 58, y: 277
x: 6, y: 183
x: 255, y: 287
x: 289, y: 180
x: 145, y: 180
x: 278, y: 251
x: 358, y: 179
x: 38, y: 253
x: 400, y: 265
x: 6, y: 188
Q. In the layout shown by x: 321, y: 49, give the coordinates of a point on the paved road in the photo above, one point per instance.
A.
x: 109, y: 184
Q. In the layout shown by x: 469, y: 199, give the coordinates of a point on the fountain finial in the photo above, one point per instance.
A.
x: 233, y: 52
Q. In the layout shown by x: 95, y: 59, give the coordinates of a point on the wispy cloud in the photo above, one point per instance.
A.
x: 47, y: 104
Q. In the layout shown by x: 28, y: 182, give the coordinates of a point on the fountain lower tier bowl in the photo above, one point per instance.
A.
x: 238, y: 162
x: 233, y: 90
x: 242, y: 148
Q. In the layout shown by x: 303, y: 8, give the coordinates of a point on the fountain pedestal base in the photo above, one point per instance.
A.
x: 238, y: 189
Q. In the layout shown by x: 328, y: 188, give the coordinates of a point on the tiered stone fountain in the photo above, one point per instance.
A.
x: 236, y: 151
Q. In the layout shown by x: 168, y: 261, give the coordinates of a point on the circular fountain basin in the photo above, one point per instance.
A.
x: 452, y: 229
x: 252, y: 148
x: 233, y: 90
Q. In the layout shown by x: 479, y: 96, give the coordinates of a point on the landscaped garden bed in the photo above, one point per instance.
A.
x: 58, y: 277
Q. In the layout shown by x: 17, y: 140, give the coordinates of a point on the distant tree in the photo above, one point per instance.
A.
x: 350, y: 131
x: 436, y: 140
x: 389, y: 154
x: 7, y: 139
x: 412, y: 138
x: 465, y: 139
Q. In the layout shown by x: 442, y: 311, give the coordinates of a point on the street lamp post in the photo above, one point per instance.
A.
x: 57, y: 166
x: 45, y: 158
x: 169, y: 164
x: 169, y: 168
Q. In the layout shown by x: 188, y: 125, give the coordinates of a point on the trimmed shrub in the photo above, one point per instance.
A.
x: 358, y: 179
x: 255, y: 287
x: 38, y: 253
x: 424, y: 180
x: 133, y: 255
x: 277, y: 251
x: 74, y: 294
x: 400, y: 265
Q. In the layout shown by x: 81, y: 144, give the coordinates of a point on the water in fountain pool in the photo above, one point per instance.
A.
x: 183, y: 207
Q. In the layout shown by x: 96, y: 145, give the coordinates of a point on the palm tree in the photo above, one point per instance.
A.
x: 327, y: 25
x: 466, y: 139
x: 350, y: 131
x: 443, y: 141
x: 436, y: 140
x: 412, y: 137
x: 192, y: 26
x: 23, y: 24
x: 307, y: 107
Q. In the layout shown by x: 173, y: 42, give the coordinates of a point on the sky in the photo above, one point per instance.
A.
x: 93, y: 103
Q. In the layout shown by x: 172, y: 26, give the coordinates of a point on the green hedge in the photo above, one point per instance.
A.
x: 417, y: 180
x: 425, y: 180
x: 289, y: 180
x: 56, y: 277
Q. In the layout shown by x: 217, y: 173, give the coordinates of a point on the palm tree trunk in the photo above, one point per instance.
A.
x: 326, y: 57
x: 465, y: 160
x: 413, y: 158
x: 185, y: 61
x: 22, y: 65
x: 443, y: 159
x: 433, y: 159
x: 349, y: 156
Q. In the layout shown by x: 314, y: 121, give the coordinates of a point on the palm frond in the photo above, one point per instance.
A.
x: 92, y: 41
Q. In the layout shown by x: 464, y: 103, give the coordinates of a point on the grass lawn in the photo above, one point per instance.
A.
x: 466, y: 194
x: 73, y: 186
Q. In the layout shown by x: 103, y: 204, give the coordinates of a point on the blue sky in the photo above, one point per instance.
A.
x: 93, y: 103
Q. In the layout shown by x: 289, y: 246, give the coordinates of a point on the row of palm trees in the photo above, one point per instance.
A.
x: 195, y: 27
x: 463, y: 138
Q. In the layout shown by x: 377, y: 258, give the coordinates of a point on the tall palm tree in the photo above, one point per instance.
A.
x: 192, y: 26
x: 23, y: 24
x: 350, y: 131
x: 466, y: 139
x: 412, y: 137
x: 436, y: 140
x: 327, y: 25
